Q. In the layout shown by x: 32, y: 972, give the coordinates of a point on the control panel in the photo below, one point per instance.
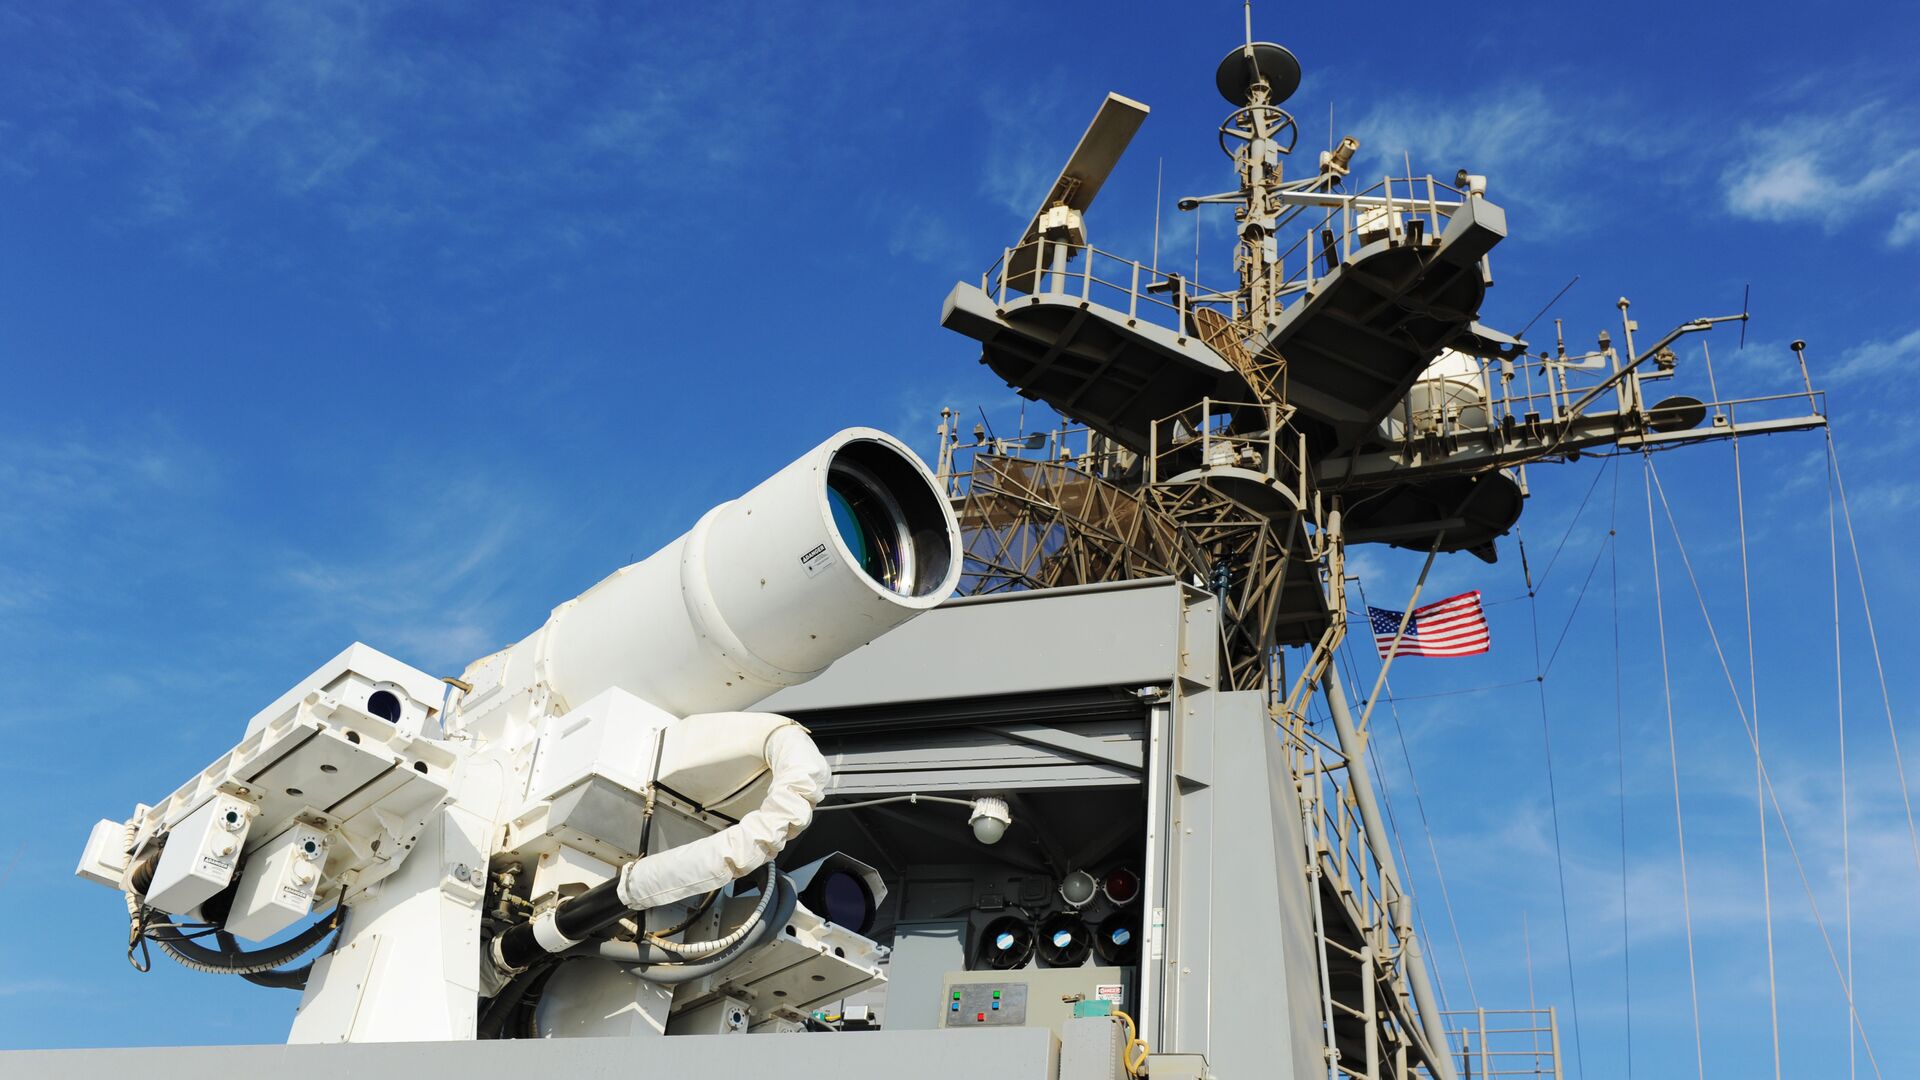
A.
x: 987, y: 1004
x: 1034, y: 997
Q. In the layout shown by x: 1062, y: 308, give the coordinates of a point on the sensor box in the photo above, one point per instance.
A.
x: 200, y: 854
x: 278, y: 884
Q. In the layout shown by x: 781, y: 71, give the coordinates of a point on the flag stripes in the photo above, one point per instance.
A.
x: 1455, y: 626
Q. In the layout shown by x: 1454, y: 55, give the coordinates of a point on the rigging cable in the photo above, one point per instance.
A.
x: 1873, y: 639
x: 1562, y: 640
x: 1840, y: 720
x: 1553, y: 795
x: 1533, y: 1003
x: 1620, y: 763
x: 1673, y: 759
x: 1866, y: 607
x: 1773, y: 796
x: 1753, y: 705
x: 1392, y: 697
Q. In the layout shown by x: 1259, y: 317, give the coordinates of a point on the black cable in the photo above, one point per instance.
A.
x: 281, y: 979
x: 235, y: 961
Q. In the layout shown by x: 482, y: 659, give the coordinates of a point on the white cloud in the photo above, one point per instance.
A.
x: 427, y: 590
x: 360, y: 114
x: 1534, y: 146
x: 1906, y: 228
x: 1878, y: 359
x: 1830, y: 167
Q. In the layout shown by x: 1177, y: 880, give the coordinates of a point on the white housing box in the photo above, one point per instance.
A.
x: 277, y: 887
x: 105, y: 858
x: 200, y: 854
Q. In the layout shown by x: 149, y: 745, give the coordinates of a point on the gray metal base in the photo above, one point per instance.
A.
x: 1007, y: 1053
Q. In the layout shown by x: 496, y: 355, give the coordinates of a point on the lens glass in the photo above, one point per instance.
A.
x: 870, y: 532
x: 847, y: 902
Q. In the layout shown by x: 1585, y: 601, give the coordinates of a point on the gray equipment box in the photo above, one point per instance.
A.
x: 1024, y: 997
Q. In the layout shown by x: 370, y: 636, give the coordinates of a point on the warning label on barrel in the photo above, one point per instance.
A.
x: 818, y: 558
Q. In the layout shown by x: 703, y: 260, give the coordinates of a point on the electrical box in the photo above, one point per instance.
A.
x: 105, y: 858
x: 1093, y: 1048
x: 1026, y: 997
x: 277, y: 887
x: 724, y: 1015
x: 200, y: 854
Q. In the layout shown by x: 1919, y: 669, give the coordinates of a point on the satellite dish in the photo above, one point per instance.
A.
x: 1677, y: 414
x: 1238, y: 72
x: 1099, y: 151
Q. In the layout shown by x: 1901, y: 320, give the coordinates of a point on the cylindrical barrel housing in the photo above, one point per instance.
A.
x: 767, y: 590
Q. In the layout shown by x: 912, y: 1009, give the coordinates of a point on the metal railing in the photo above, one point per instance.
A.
x: 1400, y: 208
x: 1251, y: 437
x: 1487, y: 1044
x: 1342, y: 854
x: 1145, y: 293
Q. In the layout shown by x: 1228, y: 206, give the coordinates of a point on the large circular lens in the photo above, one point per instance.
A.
x: 872, y: 526
x: 840, y: 897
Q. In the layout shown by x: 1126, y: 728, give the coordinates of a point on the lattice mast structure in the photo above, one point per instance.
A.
x: 1343, y: 392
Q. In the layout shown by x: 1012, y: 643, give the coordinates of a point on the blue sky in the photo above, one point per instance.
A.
x: 401, y: 323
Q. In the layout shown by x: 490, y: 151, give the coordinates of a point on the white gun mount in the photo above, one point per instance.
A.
x: 546, y: 845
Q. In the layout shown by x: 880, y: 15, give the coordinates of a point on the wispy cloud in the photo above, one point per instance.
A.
x: 1831, y: 166
x: 375, y: 120
x: 428, y: 586
x: 1879, y: 359
x: 1536, y: 145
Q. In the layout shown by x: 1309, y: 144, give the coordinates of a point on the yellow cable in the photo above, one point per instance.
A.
x: 1133, y: 1064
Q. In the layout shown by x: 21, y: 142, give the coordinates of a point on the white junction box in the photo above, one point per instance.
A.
x: 725, y: 1015
x: 105, y: 858
x: 277, y: 886
x: 200, y: 854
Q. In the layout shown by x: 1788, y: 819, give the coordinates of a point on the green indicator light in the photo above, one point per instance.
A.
x: 996, y: 995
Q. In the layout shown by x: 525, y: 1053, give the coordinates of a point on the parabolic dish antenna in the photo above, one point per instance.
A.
x: 1238, y: 72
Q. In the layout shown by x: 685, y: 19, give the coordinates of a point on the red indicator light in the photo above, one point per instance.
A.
x: 980, y: 1017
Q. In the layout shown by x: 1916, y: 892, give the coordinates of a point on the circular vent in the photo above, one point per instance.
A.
x: 1007, y: 942
x: 1117, y: 939
x: 1065, y: 941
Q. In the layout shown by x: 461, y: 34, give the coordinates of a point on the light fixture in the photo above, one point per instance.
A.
x: 987, y: 814
x: 990, y: 819
x: 1078, y: 889
x: 1122, y: 886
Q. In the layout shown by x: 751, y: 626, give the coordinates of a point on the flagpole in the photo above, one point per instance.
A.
x: 1406, y: 617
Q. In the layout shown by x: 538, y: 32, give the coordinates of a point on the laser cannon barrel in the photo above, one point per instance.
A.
x: 766, y: 591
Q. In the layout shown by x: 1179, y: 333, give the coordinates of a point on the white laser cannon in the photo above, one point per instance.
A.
x: 547, y: 845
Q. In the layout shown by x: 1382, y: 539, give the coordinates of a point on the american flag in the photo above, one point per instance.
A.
x: 1451, y: 627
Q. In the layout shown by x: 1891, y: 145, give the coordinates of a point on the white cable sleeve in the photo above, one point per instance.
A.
x: 798, y: 782
x: 549, y: 935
